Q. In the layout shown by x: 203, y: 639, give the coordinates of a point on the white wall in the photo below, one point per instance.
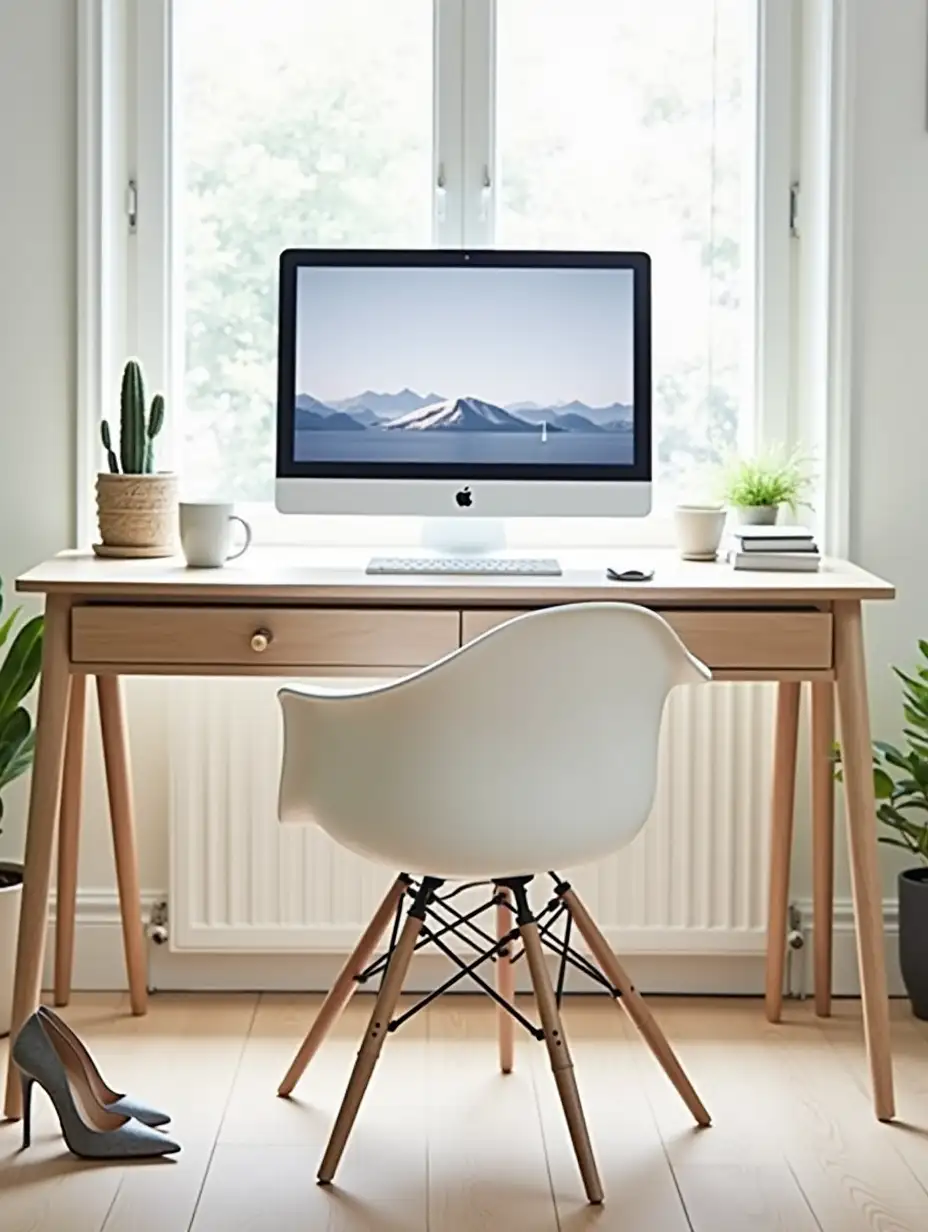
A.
x: 37, y: 379
x: 37, y: 279
x: 889, y: 505
x: 37, y: 369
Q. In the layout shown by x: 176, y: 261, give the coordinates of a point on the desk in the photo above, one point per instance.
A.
x: 314, y: 614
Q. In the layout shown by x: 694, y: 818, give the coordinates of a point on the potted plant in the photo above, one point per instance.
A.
x: 757, y: 487
x: 136, y: 506
x: 18, y: 672
x: 900, y: 783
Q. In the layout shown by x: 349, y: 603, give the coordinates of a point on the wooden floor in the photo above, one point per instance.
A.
x: 445, y: 1143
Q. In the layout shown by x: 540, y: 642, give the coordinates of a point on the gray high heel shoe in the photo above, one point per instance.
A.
x: 111, y: 1100
x: 90, y: 1130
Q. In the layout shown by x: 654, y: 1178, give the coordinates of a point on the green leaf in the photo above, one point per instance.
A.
x: 8, y: 623
x: 20, y: 763
x: 889, y: 751
x: 17, y: 742
x: 917, y: 717
x: 902, y: 825
x: 911, y: 805
x: 21, y: 668
x: 894, y: 842
x: 915, y: 692
x: 882, y: 784
x: 14, y: 729
x: 917, y: 740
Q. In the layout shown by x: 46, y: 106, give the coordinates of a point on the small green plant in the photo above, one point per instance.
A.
x: 18, y: 673
x: 136, y: 433
x: 774, y: 478
x: 900, y: 775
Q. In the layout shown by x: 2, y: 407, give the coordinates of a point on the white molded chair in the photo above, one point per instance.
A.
x: 530, y: 749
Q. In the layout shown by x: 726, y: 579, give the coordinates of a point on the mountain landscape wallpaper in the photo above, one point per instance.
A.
x: 479, y: 365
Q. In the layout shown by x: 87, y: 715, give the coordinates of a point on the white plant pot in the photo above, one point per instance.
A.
x: 10, y: 901
x: 757, y: 515
x: 699, y: 530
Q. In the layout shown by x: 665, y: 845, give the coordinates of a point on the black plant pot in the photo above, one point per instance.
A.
x: 913, y: 937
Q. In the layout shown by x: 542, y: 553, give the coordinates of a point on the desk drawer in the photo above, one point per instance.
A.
x: 260, y: 637
x: 726, y: 640
x: 756, y: 641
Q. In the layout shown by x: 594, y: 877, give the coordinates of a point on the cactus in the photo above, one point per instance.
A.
x: 132, y: 420
x: 155, y: 424
x: 136, y: 437
x: 111, y: 459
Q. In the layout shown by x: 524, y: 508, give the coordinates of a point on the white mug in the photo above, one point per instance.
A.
x: 699, y: 530
x: 206, y: 533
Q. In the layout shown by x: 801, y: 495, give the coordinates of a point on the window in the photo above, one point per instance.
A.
x: 299, y: 124
x: 628, y: 125
x: 524, y: 123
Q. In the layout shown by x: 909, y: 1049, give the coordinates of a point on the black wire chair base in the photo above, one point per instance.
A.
x: 442, y: 920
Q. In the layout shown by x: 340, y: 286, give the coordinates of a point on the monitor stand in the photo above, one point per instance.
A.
x: 465, y: 546
x: 464, y: 536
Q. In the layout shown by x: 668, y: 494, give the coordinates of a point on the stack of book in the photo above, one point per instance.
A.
x: 786, y: 549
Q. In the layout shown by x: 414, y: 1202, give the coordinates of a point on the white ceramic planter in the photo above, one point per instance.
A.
x: 10, y: 901
x: 699, y: 530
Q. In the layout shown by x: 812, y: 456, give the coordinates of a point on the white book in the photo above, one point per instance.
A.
x: 776, y: 562
x: 778, y: 545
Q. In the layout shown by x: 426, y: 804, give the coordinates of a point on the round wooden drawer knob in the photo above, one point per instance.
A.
x: 260, y: 640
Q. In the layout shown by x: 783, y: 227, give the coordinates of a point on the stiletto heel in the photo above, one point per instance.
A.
x: 90, y: 1129
x: 27, y: 1084
x: 112, y: 1100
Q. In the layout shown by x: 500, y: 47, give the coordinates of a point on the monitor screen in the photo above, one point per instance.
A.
x: 483, y: 366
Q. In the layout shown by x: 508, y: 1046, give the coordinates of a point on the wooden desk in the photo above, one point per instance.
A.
x: 316, y: 613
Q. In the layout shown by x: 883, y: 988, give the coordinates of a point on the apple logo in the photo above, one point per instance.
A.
x: 464, y: 499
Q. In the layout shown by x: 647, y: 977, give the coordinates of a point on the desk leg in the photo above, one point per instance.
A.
x: 40, y: 833
x: 851, y: 672
x: 69, y: 825
x: 781, y: 841
x: 116, y: 762
x: 823, y: 838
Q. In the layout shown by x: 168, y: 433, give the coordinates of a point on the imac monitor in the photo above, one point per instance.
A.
x: 485, y: 383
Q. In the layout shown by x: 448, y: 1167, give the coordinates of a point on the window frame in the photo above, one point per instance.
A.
x: 125, y: 272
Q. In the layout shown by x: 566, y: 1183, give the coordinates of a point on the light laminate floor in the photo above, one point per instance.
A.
x: 445, y: 1143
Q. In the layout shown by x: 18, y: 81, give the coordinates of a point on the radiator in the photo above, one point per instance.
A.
x: 693, y: 882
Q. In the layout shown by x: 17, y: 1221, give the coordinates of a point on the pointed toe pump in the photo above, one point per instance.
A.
x: 90, y: 1130
x: 113, y: 1101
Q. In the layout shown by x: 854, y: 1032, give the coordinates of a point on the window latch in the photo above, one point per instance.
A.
x: 132, y: 206
x: 486, y: 190
x: 794, y: 218
x: 441, y: 193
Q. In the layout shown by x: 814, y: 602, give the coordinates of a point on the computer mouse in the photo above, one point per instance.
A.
x: 629, y: 575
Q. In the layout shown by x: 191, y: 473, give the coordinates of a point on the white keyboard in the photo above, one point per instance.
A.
x: 476, y: 566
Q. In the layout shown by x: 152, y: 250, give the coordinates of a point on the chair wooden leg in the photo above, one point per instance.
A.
x: 635, y: 1006
x: 781, y: 842
x: 116, y: 763
x: 344, y: 987
x: 69, y: 825
x: 505, y: 985
x: 371, y: 1045
x: 561, y: 1063
x: 823, y: 838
